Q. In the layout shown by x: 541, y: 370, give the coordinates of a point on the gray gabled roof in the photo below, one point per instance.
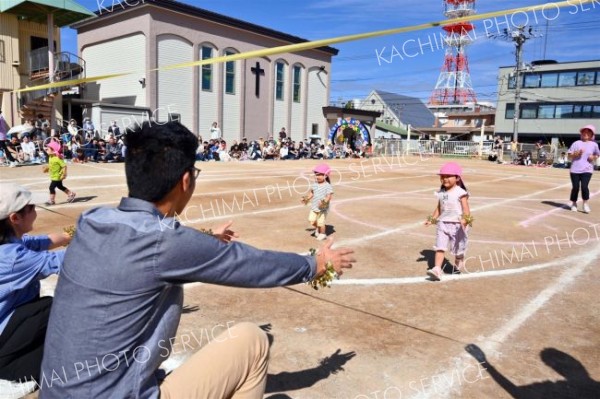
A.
x: 409, y: 110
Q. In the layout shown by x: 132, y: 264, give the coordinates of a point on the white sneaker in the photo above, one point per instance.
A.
x: 321, y: 237
x: 574, y: 208
x: 586, y: 208
x: 13, y: 165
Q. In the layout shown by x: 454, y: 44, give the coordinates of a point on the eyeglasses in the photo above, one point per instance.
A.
x: 195, y: 171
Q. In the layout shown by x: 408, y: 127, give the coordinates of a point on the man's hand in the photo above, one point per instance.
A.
x: 224, y: 233
x: 340, y: 258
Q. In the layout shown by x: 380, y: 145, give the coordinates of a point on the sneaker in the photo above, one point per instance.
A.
x: 71, y: 196
x: 49, y: 203
x: 586, y: 208
x: 435, y: 273
x: 13, y: 165
x: 321, y: 237
x: 314, y: 233
x: 574, y: 208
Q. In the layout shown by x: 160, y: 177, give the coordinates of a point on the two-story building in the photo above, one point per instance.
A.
x: 29, y: 50
x: 251, y: 98
x: 556, y: 100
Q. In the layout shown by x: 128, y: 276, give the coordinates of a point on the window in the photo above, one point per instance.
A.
x: 564, y: 111
x: 510, y: 111
x: 582, y: 111
x: 2, y: 52
x: 315, y: 127
x: 549, y: 80
x: 279, y: 76
x: 297, y: 82
x: 596, y: 112
x: 585, y: 78
x: 207, y: 70
x: 567, y: 79
x: 532, y: 80
x: 528, y: 111
x: 229, y: 75
x: 512, y: 82
x: 546, y: 112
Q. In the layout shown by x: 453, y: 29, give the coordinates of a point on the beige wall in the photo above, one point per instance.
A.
x: 15, y: 45
x: 256, y: 114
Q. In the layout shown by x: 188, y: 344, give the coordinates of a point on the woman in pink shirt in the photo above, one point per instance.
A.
x: 583, y: 154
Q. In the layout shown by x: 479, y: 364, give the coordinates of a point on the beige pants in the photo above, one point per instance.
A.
x: 234, y: 365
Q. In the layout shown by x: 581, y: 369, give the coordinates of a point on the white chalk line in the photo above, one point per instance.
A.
x: 576, y: 266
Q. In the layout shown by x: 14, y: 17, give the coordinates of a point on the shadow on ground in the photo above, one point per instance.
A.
x: 577, y: 383
x: 291, y: 381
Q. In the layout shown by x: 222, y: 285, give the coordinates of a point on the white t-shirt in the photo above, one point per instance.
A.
x: 215, y: 133
x: 450, y: 206
x: 28, y: 148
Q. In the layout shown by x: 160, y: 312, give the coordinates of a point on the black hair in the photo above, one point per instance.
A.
x: 157, y: 156
x: 7, y: 230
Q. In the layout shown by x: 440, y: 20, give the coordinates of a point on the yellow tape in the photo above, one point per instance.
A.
x: 291, y: 48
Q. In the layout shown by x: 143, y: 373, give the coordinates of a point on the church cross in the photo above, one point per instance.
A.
x: 257, y: 71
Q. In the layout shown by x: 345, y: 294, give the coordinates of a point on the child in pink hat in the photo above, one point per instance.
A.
x: 319, y: 197
x: 58, y: 172
x: 452, y: 216
x: 583, y: 154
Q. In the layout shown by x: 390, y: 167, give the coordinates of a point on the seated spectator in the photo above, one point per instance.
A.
x: 254, y: 152
x: 303, y: 152
x: 223, y: 153
x: 269, y: 152
x: 493, y: 156
x: 88, y: 127
x: 234, y: 151
x: 91, y: 151
x: 28, y: 149
x: 213, y: 150
x: 562, y: 161
x: 113, y: 151
x: 101, y: 150
x: 527, y: 160
x: 24, y: 260
x: 14, y: 150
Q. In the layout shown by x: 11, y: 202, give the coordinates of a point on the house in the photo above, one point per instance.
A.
x: 30, y: 55
x: 250, y: 98
x: 398, y: 112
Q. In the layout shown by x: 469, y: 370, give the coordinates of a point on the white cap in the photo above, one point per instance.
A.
x: 13, y: 198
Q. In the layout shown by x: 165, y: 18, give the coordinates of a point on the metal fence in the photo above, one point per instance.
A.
x: 467, y: 149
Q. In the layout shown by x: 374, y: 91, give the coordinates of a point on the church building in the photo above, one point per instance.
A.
x: 250, y: 98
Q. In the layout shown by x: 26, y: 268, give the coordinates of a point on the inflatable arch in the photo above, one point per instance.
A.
x: 342, y: 124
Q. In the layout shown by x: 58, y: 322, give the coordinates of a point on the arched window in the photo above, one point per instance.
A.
x: 279, y: 80
x: 206, y: 52
x: 229, y: 74
x: 296, y: 90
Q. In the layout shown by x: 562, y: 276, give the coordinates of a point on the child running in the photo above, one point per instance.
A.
x: 58, y: 172
x: 320, y: 194
x: 452, y: 216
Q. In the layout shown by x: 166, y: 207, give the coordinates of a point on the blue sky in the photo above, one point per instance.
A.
x: 568, y: 34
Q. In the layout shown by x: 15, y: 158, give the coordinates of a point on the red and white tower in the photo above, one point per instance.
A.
x: 454, y: 83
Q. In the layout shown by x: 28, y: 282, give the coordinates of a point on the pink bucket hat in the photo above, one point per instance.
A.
x: 451, y: 168
x: 322, y: 168
x: 54, y: 146
x: 592, y: 128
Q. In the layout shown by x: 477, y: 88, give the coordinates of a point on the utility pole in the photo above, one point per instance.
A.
x: 519, y: 36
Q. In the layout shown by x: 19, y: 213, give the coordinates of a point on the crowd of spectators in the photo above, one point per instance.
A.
x: 79, y: 144
x: 283, y: 149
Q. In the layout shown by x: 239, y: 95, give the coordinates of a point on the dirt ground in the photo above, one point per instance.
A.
x: 523, y: 321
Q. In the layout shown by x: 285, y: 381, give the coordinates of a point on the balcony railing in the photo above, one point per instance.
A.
x: 66, y: 65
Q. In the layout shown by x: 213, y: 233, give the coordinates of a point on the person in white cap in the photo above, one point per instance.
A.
x: 24, y: 260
